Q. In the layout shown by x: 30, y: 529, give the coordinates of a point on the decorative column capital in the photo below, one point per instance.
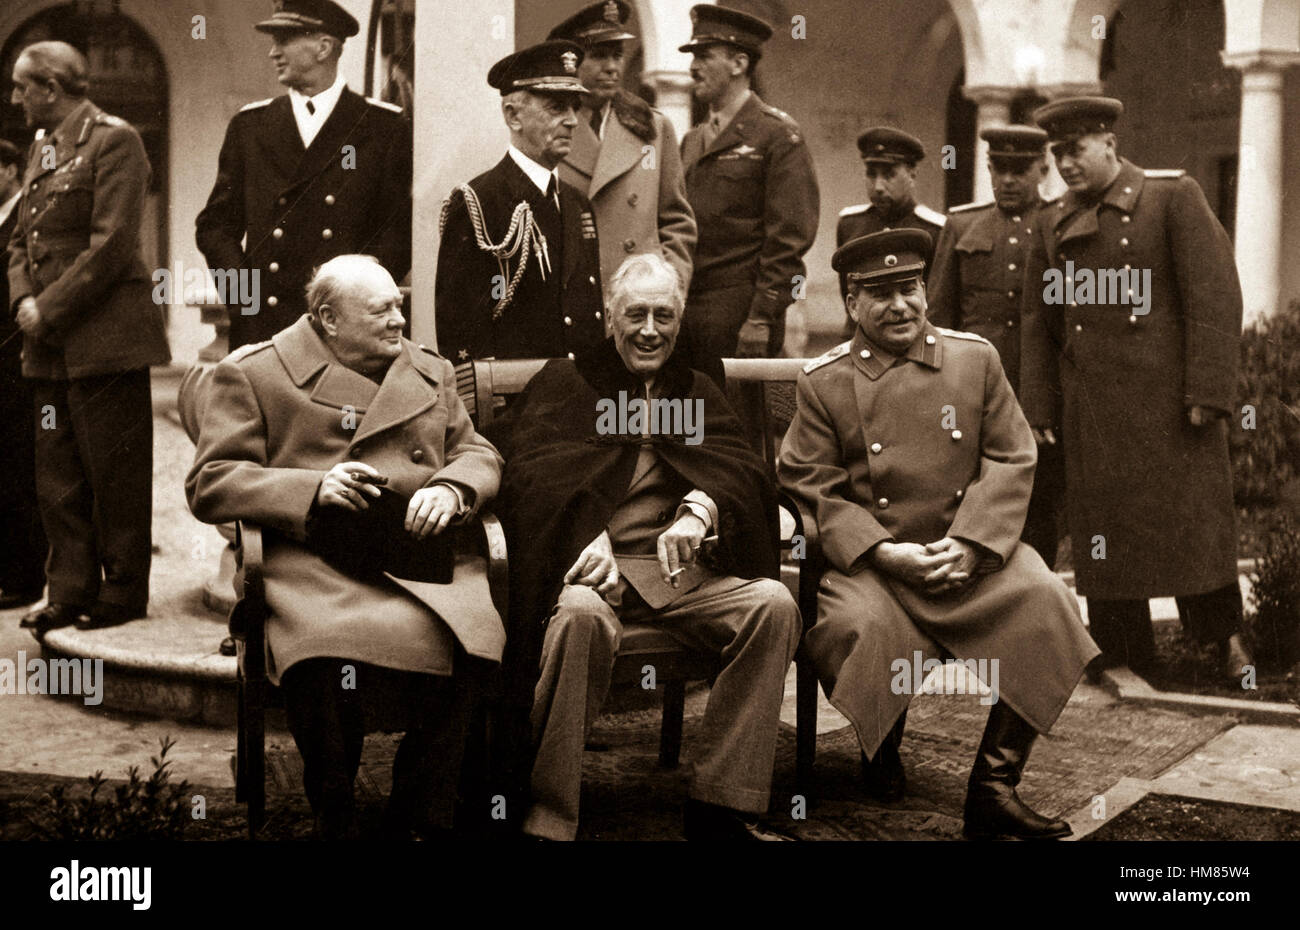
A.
x: 1070, y: 89
x: 1261, y: 59
x: 991, y: 94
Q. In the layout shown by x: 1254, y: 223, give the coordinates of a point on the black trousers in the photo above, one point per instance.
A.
x: 22, y: 537
x: 1122, y: 628
x: 328, y: 723
x: 1042, y: 530
x: 94, y: 485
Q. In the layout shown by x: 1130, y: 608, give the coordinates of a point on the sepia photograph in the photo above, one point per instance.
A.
x: 865, y: 424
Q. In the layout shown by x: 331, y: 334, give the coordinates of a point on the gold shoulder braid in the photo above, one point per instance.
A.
x: 522, y: 237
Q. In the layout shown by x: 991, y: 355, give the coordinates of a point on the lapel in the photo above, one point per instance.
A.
x: 1077, y: 220
x: 279, y: 140
x: 584, y: 152
x: 691, y: 148
x: 736, y: 131
x: 69, y: 134
x: 325, y: 148
x: 979, y: 236
x: 405, y: 393
x: 619, y: 152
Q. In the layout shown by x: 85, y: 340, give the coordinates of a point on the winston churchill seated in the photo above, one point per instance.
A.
x: 349, y: 445
x: 631, y: 495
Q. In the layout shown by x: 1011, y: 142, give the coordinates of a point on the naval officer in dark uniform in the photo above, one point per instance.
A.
x: 317, y: 172
x: 519, y: 262
x: 979, y: 267
x: 751, y: 182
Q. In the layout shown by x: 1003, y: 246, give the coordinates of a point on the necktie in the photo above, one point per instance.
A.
x: 597, y: 120
x: 553, y: 194
x: 311, y: 108
x: 712, y: 129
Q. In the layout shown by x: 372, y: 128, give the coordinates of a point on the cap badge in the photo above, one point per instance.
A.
x: 570, y: 60
x: 611, y: 12
x: 891, y: 261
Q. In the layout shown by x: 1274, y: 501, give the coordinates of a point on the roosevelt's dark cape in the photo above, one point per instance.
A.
x: 563, y: 481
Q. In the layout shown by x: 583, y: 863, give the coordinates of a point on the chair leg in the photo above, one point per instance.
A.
x: 255, y: 750
x: 805, y: 724
x: 670, y: 734
x: 241, y: 736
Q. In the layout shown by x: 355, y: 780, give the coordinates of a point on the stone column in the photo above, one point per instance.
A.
x: 673, y: 97
x: 459, y: 131
x: 994, y: 110
x: 1259, y: 178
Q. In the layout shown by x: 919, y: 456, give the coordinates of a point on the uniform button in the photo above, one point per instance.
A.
x: 1014, y: 241
x: 282, y: 201
x: 956, y: 435
x: 1128, y: 190
x: 1124, y: 242
x: 1126, y: 218
x: 876, y: 447
x: 865, y: 353
x: 1132, y: 320
x: 273, y: 267
x: 598, y: 314
x: 36, y: 233
x: 570, y: 356
x: 1011, y: 295
x: 1078, y: 327
x: 327, y: 234
x: 329, y: 200
x: 960, y: 494
x: 1010, y: 323
x: 1015, y: 219
x: 272, y: 301
x: 629, y: 245
x: 568, y: 321
x: 929, y: 340
x: 592, y: 279
x: 33, y: 211
x: 35, y: 184
x: 1128, y: 267
x: 277, y: 233
x: 417, y: 455
x: 631, y: 200
x: 1011, y: 267
x: 36, y: 265
x: 883, y: 503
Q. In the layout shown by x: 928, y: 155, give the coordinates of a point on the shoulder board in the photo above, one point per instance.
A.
x: 840, y: 351
x: 930, y: 216
x: 975, y: 205
x: 255, y: 104
x: 855, y: 209
x: 244, y: 352
x: 779, y: 114
x: 1163, y: 172
x: 383, y: 103
x: 109, y: 120
x: 959, y: 334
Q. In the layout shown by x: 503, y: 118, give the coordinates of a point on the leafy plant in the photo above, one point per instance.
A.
x: 142, y: 809
x: 1275, y: 597
x: 1266, y: 458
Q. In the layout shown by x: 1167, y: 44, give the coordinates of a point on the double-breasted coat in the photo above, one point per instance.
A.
x: 76, y: 250
x: 278, y: 416
x: 756, y: 202
x: 281, y: 210
x: 1141, y: 481
x: 633, y: 178
x: 555, y: 313
x: 914, y: 449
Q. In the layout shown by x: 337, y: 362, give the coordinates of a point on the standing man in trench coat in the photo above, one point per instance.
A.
x: 1143, y: 380
x: 911, y: 451
x: 298, y: 431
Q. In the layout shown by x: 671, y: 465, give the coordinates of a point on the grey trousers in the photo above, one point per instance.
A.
x: 752, y: 624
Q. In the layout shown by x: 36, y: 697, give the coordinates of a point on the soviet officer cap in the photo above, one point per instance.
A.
x: 711, y: 25
x: 551, y: 67
x: 887, y: 144
x: 1071, y: 117
x: 310, y: 16
x: 883, y: 256
x: 592, y: 25
x: 1015, y: 143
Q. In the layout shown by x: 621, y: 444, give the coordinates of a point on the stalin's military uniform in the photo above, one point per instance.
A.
x: 752, y: 185
x: 975, y: 285
x: 871, y: 453
x: 76, y: 251
x: 519, y: 261
x: 1145, y: 488
x: 280, y: 208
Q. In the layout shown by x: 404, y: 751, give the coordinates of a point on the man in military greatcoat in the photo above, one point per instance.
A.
x: 519, y: 261
x: 1132, y: 345
x: 911, y: 451
x: 317, y: 172
x: 976, y: 286
x: 624, y: 155
x: 81, y: 294
x: 751, y: 182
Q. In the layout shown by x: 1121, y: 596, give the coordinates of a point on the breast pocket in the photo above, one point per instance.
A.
x: 740, y: 183
x: 70, y: 201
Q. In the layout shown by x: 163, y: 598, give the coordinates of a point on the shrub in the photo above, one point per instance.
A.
x: 1267, y: 458
x: 141, y: 809
x: 1275, y: 624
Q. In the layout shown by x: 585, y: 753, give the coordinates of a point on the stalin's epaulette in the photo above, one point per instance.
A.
x: 855, y: 209
x: 930, y: 216
x: 255, y: 104
x: 383, y: 103
x: 973, y: 205
x: 840, y: 351
x: 108, y: 119
x: 244, y: 352
x: 1163, y: 172
x: 960, y: 334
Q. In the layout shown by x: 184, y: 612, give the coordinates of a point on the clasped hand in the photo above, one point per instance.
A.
x: 934, y: 569
x: 350, y: 485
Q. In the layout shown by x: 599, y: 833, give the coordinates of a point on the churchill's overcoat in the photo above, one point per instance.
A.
x: 633, y: 178
x: 914, y: 449
x: 1156, y: 489
x: 280, y: 209
x: 279, y: 415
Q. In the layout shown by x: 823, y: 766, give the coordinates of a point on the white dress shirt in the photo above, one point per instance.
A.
x: 538, y: 174
x: 8, y: 206
x: 322, y: 104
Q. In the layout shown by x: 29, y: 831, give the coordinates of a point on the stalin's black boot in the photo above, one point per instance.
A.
x: 993, y: 810
x: 883, y: 775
